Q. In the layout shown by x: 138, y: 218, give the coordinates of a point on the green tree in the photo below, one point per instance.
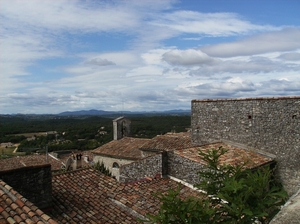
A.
x: 235, y: 194
x: 101, y: 167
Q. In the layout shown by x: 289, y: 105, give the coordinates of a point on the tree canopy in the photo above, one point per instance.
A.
x: 235, y: 194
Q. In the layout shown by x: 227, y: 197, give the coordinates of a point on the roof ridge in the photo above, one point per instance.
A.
x: 71, y: 171
x: 6, y: 188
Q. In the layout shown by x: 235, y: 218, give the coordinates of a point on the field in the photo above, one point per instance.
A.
x: 9, y: 152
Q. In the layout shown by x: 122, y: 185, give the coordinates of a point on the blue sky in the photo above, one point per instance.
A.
x: 68, y: 55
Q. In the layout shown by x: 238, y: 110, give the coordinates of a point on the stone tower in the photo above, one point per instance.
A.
x: 121, y: 127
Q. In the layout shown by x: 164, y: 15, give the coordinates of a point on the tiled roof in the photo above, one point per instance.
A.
x: 169, y: 142
x: 126, y: 147
x: 88, y: 196
x: 29, y: 160
x: 233, y: 156
x: 65, y: 156
x: 14, y: 208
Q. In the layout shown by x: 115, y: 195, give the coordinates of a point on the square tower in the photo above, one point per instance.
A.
x: 121, y: 127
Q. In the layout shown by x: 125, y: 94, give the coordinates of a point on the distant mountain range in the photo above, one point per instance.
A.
x: 107, y: 113
x: 103, y: 113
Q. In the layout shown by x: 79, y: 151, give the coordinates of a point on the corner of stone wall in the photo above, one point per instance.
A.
x: 150, y: 166
x: 270, y: 125
x: 34, y: 183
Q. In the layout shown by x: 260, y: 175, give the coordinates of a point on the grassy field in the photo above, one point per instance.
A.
x: 9, y: 152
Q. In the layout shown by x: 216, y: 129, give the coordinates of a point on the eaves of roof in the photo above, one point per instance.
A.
x: 88, y: 196
x: 116, y: 156
x: 126, y: 147
x: 29, y: 161
x: 233, y: 156
x: 168, y: 142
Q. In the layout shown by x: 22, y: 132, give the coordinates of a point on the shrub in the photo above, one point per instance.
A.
x: 235, y: 194
x: 100, y: 167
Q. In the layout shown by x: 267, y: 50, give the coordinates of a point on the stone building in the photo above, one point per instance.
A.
x: 121, y: 128
x: 268, y: 125
x: 121, y: 150
x: 118, y: 153
x: 30, y: 176
x: 255, y: 131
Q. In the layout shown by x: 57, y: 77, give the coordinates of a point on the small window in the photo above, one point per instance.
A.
x: 115, y: 165
x: 249, y: 116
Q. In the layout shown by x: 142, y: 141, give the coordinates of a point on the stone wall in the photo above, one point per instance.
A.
x: 183, y: 169
x: 148, y: 167
x: 34, y: 183
x: 271, y: 125
x: 109, y: 161
x: 121, y: 128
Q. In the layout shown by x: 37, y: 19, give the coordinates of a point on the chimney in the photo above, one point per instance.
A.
x: 121, y: 128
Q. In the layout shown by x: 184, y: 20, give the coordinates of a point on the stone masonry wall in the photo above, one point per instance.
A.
x: 147, y: 167
x: 183, y: 169
x: 271, y: 125
x: 34, y: 183
x: 109, y: 161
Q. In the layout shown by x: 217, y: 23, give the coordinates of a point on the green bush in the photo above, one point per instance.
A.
x: 100, y: 167
x: 175, y: 210
x: 235, y: 194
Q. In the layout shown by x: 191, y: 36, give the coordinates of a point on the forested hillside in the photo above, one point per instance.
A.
x: 82, y: 133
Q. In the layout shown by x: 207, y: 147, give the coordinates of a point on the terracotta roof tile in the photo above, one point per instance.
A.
x: 126, y: 147
x: 233, y: 156
x: 169, y: 142
x: 70, y: 153
x: 27, y: 161
x: 14, y: 210
x: 88, y: 196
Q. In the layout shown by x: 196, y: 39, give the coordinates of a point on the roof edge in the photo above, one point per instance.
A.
x: 246, y: 99
x: 115, y: 156
x: 25, y: 168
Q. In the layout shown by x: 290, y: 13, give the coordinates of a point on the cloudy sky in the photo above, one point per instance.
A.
x: 68, y: 55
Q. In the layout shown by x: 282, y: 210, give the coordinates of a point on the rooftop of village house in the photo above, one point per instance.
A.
x: 233, y: 156
x: 29, y: 160
x: 63, y: 156
x: 126, y: 147
x: 169, y: 142
x: 14, y: 208
x: 57, y: 163
x: 76, y: 195
x: 88, y: 195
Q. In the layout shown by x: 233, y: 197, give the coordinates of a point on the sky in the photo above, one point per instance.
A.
x: 144, y: 55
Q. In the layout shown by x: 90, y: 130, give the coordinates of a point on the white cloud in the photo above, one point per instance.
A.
x: 69, y: 16
x: 281, y: 86
x: 100, y: 62
x: 150, y: 71
x: 211, y: 24
x: 284, y: 40
x: 237, y: 87
x: 119, y: 58
x: 292, y: 56
x: 154, y: 57
x: 188, y: 58
x: 57, y: 55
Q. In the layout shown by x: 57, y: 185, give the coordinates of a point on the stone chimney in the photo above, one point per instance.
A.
x: 121, y: 127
